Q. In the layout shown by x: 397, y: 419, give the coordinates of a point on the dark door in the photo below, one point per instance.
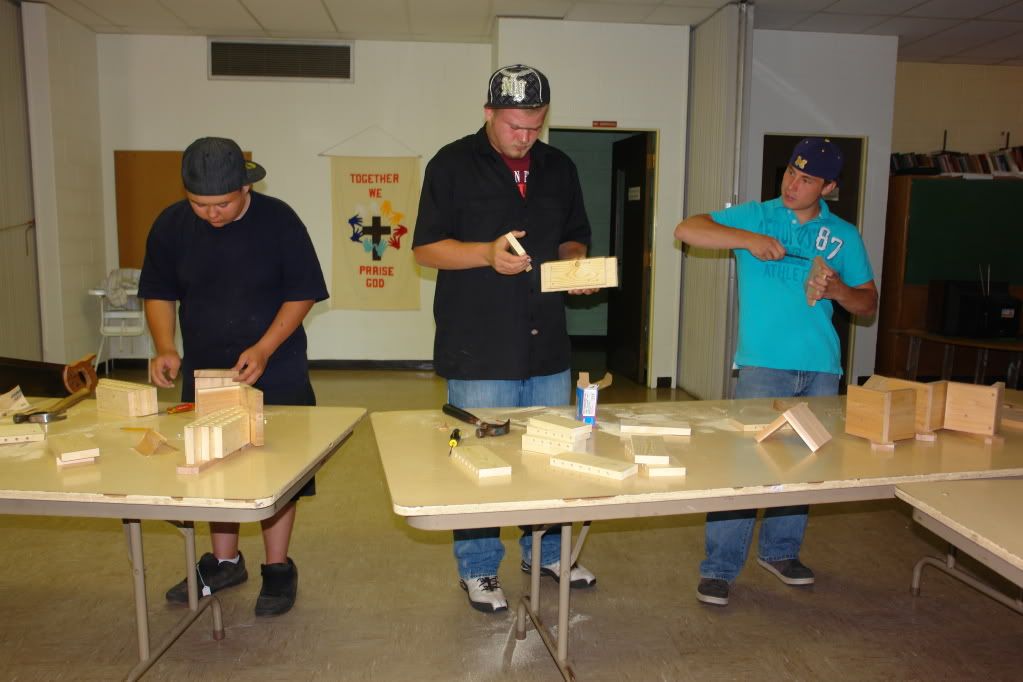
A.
x: 628, y: 309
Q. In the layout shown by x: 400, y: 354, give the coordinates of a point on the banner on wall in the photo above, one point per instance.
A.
x: 374, y: 203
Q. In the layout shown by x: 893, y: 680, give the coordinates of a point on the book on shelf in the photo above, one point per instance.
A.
x: 996, y: 162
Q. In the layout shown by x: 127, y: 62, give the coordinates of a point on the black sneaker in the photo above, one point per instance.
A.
x: 213, y: 574
x: 713, y: 591
x: 789, y: 571
x: 280, y: 585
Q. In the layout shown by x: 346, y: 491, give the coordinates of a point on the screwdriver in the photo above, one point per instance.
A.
x: 453, y: 440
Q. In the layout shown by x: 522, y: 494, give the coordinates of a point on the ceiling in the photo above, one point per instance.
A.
x: 951, y: 31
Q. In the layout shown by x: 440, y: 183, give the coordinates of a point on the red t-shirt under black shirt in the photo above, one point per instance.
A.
x: 520, y: 169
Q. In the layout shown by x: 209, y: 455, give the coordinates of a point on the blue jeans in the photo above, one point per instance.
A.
x: 479, y: 551
x: 728, y: 534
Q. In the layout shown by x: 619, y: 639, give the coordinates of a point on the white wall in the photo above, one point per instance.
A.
x: 635, y: 75
x: 63, y: 107
x: 833, y: 84
x: 154, y: 94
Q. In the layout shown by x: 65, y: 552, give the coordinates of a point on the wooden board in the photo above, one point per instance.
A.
x: 804, y: 422
x: 561, y: 428
x: 881, y: 416
x: 930, y: 399
x: 550, y: 446
x: 215, y: 436
x: 817, y: 267
x: 647, y: 449
x: 629, y: 427
x: 73, y: 448
x: 604, y: 467
x: 973, y: 409
x: 580, y: 273
x: 480, y: 461
x: 517, y: 248
x: 21, y: 433
x: 672, y: 469
x: 126, y: 398
x: 214, y: 378
x: 214, y: 399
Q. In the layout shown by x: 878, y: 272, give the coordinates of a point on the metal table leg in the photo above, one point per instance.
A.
x: 148, y: 656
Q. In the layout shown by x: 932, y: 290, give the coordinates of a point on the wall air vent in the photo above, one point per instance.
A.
x: 280, y: 59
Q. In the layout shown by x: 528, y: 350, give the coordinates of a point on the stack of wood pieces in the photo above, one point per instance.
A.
x: 552, y: 435
x: 480, y: 461
x: 605, y: 467
x: 651, y: 454
x: 73, y: 449
x: 214, y: 437
x: 218, y: 397
x: 21, y: 433
x: 126, y: 398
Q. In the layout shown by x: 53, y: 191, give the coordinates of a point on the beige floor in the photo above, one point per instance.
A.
x: 379, y: 601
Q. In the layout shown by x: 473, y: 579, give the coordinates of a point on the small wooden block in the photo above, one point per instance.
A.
x: 881, y: 416
x: 805, y: 423
x: 669, y: 470
x: 630, y: 427
x: 580, y: 273
x: 550, y: 446
x: 516, y: 246
x: 152, y: 440
x: 751, y: 422
x: 21, y: 433
x: 817, y: 267
x: 972, y: 408
x: 126, y: 398
x: 480, y: 461
x: 617, y: 469
x: 214, y: 378
x: 647, y: 449
x: 563, y: 428
x: 928, y: 437
x: 72, y: 448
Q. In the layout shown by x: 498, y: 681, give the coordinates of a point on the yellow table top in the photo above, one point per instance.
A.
x: 726, y: 468
x: 985, y: 512
x: 248, y: 485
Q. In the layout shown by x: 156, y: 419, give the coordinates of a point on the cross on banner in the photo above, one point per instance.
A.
x: 376, y: 230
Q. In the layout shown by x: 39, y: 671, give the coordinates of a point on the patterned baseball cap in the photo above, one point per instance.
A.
x: 518, y: 87
x: 819, y: 157
x: 212, y: 166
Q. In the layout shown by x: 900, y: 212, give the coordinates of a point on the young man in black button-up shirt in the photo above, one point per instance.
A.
x: 501, y: 342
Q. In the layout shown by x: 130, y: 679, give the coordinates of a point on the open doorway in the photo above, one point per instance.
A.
x: 610, y: 330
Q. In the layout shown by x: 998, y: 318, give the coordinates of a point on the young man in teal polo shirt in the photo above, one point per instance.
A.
x: 786, y: 347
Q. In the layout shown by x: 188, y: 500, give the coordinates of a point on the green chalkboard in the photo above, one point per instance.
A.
x: 960, y: 228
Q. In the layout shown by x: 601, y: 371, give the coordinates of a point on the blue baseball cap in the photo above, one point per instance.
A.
x: 819, y: 157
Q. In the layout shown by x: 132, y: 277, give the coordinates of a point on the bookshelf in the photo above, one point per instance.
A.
x: 944, y: 227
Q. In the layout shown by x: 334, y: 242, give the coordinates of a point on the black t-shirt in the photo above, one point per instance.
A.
x: 489, y: 325
x: 231, y: 282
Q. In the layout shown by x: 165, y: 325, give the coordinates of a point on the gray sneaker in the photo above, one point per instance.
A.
x: 213, y: 574
x: 713, y: 591
x: 789, y: 571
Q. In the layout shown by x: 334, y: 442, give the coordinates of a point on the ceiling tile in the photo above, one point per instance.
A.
x: 777, y: 18
x: 450, y: 17
x: 794, y: 5
x: 980, y: 61
x: 1013, y: 12
x: 826, y: 22
x: 213, y: 15
x: 957, y: 9
x: 611, y: 12
x: 291, y: 16
x: 679, y: 16
x: 369, y: 16
x: 697, y: 3
x: 910, y: 29
x: 550, y: 9
x: 148, y: 13
x: 1007, y: 48
x: 964, y: 36
x: 79, y: 13
x: 887, y: 7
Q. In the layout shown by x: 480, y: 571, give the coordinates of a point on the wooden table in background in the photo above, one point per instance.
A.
x: 917, y: 336
x: 251, y: 485
x: 727, y: 470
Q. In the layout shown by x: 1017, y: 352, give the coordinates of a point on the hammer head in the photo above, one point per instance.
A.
x: 38, y: 417
x: 485, y: 429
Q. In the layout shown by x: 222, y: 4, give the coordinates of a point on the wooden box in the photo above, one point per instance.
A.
x: 880, y: 416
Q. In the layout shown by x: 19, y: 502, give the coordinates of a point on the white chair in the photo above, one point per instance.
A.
x: 121, y: 318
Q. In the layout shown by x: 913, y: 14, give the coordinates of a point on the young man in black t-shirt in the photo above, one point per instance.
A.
x: 244, y: 271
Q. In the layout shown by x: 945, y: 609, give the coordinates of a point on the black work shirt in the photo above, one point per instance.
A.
x: 489, y: 325
x: 231, y: 282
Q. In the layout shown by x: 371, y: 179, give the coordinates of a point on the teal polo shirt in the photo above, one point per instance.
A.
x: 777, y: 328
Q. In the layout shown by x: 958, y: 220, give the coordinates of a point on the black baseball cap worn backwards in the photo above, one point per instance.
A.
x: 518, y: 87
x: 819, y: 157
x: 212, y: 166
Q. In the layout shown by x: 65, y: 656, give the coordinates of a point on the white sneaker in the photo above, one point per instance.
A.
x: 580, y: 576
x: 485, y: 593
